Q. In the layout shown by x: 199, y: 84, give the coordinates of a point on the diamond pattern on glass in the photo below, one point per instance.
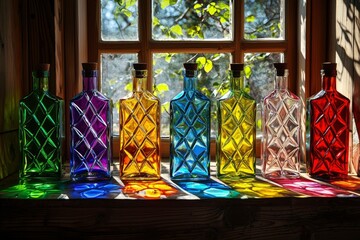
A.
x: 139, y: 151
x: 237, y: 130
x: 40, y: 135
x: 190, y: 128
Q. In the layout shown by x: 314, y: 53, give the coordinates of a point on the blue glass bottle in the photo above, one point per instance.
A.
x: 90, y: 126
x: 190, y: 130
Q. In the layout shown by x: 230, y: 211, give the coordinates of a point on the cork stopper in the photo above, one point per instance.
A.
x: 42, y: 70
x: 190, y: 68
x: 280, y: 68
x: 89, y: 69
x: 89, y: 66
x: 329, y: 68
x: 140, y: 66
x: 236, y: 69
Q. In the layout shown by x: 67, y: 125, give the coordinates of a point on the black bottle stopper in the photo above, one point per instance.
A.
x: 236, y: 69
x: 280, y: 68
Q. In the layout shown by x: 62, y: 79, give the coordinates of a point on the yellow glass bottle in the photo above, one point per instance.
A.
x: 140, y: 130
x: 236, y: 137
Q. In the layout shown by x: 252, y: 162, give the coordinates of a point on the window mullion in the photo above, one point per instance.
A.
x: 238, y: 30
x: 145, y: 54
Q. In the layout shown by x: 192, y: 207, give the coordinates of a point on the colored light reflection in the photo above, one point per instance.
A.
x: 351, y: 183
x: 311, y: 188
x: 32, y: 191
x: 150, y: 189
x: 100, y: 190
x: 253, y: 187
x: 208, y: 189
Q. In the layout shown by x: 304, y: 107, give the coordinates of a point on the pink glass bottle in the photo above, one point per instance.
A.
x: 281, y: 129
x: 329, y: 129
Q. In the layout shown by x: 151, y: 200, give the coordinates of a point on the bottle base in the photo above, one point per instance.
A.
x: 327, y: 176
x: 89, y: 177
x: 190, y: 178
x: 138, y: 177
x: 281, y: 175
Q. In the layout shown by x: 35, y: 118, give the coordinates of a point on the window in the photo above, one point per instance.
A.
x: 165, y: 34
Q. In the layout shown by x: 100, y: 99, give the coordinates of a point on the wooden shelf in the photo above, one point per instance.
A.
x: 246, y: 209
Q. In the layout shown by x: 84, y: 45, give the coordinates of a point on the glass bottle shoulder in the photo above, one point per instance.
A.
x: 284, y: 95
x: 324, y: 95
x: 230, y: 95
x: 140, y: 96
x: 190, y: 95
x: 85, y: 95
x: 39, y: 95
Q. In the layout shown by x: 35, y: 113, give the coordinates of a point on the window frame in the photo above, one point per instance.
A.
x: 237, y: 47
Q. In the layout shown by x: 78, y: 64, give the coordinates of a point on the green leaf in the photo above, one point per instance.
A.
x: 250, y: 18
x: 155, y: 21
x: 211, y: 9
x: 129, y: 3
x: 165, y: 107
x: 162, y: 87
x: 127, y: 12
x: 247, y: 71
x: 166, y: 3
x: 176, y: 29
x: 201, y: 60
x: 208, y: 66
x: 168, y: 58
x: 198, y: 5
x: 128, y: 87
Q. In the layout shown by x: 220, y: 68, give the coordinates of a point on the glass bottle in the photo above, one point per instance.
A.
x: 140, y: 130
x: 281, y: 129
x: 190, y: 130
x: 236, y: 138
x: 40, y: 130
x: 329, y: 128
x: 90, y: 128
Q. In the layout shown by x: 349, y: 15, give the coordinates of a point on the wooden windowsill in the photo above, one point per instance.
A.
x: 253, y: 209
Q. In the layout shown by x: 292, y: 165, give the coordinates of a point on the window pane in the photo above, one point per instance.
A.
x: 116, y: 80
x: 260, y: 73
x: 192, y: 20
x: 264, y: 19
x: 168, y: 79
x: 119, y: 20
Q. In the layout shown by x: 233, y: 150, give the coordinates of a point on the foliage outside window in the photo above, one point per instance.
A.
x: 203, y: 21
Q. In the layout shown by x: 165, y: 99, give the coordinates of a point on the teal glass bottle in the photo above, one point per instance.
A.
x: 41, y: 130
x: 190, y: 130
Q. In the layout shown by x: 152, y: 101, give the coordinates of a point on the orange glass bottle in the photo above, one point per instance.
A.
x: 140, y: 130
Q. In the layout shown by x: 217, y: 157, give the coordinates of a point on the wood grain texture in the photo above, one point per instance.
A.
x: 284, y: 218
x: 10, y: 65
x: 9, y: 153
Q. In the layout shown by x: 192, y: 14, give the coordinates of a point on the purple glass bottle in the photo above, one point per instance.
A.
x: 90, y: 126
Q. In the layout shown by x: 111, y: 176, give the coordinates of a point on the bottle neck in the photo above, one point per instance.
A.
x: 190, y: 79
x: 281, y: 82
x: 236, y: 80
x: 40, y: 81
x: 139, y: 80
x: 89, y: 80
x: 329, y: 82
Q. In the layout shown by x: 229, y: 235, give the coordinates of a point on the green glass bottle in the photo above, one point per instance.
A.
x: 41, y: 130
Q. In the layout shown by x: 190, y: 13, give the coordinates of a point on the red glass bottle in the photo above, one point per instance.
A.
x: 329, y: 128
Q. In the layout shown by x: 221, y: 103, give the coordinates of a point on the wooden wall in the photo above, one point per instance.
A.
x: 11, y: 76
x: 27, y: 39
x: 347, y: 50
